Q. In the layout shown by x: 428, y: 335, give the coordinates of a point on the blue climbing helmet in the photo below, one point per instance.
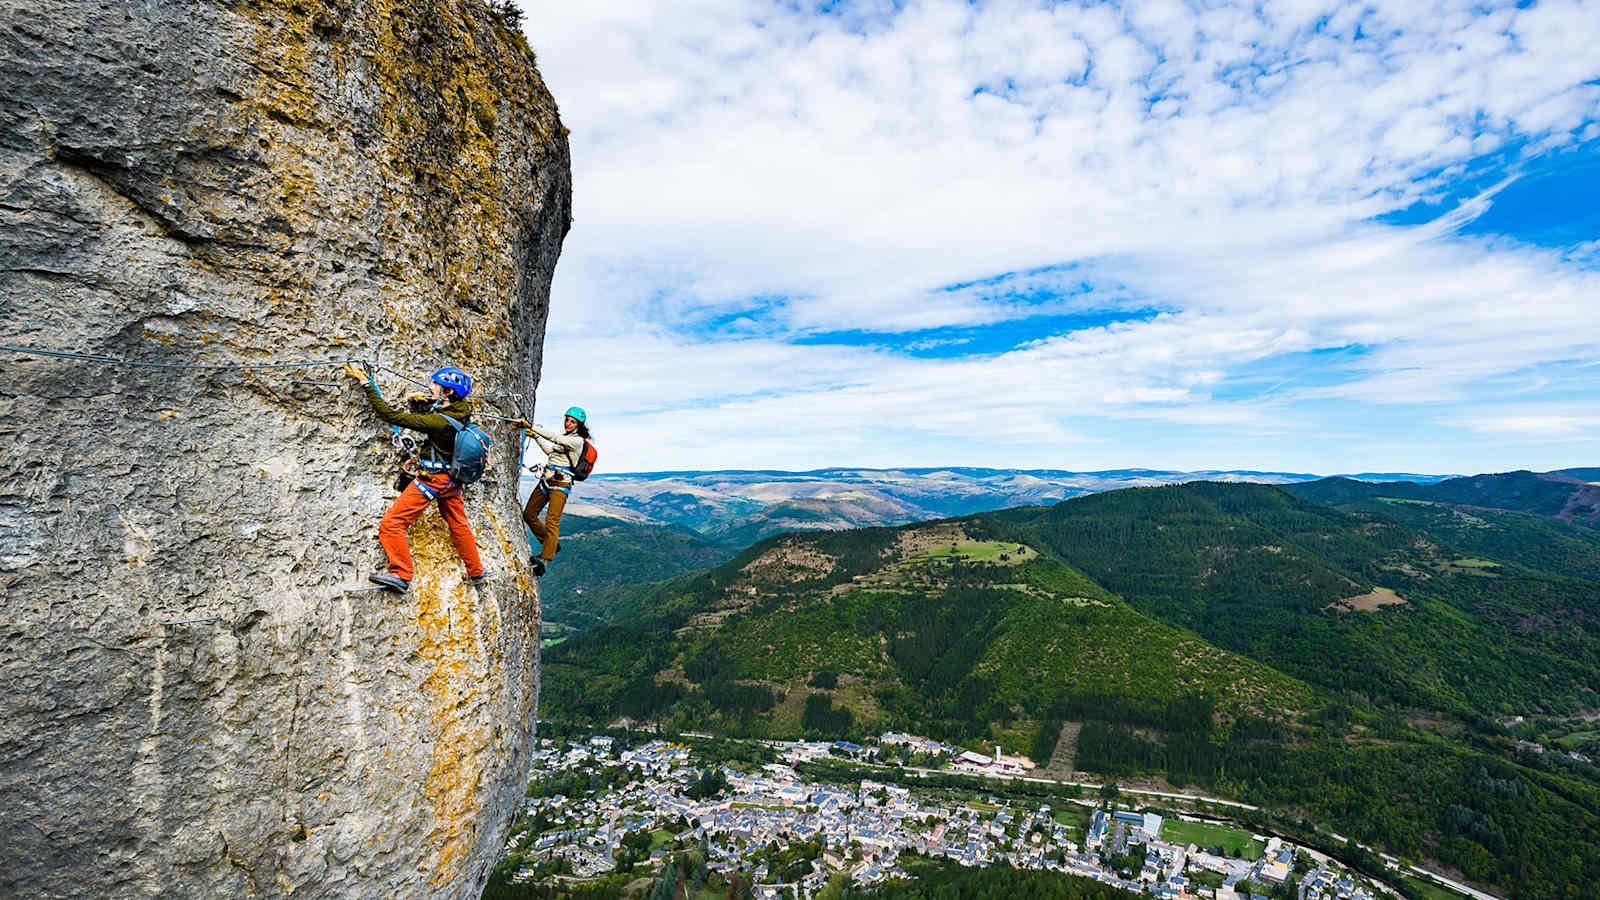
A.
x: 576, y: 412
x: 454, y: 379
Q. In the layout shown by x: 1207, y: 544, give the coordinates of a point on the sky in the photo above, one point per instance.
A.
x: 1297, y: 236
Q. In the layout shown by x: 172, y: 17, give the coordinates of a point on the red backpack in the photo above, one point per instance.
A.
x: 585, y: 462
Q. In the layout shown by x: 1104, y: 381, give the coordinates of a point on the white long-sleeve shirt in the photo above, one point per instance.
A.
x: 560, y: 448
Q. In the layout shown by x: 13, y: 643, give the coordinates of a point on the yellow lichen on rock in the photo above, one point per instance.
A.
x: 261, y: 181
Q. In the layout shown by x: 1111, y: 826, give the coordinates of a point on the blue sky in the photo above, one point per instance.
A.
x: 1295, y: 236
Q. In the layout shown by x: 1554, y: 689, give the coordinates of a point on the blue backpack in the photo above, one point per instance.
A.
x: 471, y: 454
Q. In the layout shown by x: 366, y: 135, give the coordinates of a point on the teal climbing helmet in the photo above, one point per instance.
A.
x: 576, y: 412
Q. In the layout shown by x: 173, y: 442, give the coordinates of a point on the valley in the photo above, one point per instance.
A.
x: 1326, y: 662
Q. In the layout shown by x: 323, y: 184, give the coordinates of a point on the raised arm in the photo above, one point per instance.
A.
x: 548, y: 439
x: 425, y: 422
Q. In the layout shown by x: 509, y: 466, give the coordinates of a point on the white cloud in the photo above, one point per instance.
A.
x: 1541, y: 424
x: 1222, y: 165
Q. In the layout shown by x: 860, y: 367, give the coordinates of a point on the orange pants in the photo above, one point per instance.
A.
x: 409, y: 506
x: 548, y: 532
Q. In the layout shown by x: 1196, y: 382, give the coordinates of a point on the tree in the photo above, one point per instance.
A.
x: 825, y: 679
x: 667, y: 887
x: 507, y: 11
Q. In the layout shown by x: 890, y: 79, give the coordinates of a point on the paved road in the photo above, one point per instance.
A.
x: 1083, y: 784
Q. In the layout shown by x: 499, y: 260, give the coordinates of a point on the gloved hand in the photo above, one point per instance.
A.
x: 353, y: 371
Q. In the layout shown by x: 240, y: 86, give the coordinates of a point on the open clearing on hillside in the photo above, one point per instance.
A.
x: 922, y: 555
x: 1378, y: 597
x: 1003, y: 553
x: 1207, y: 834
x: 790, y: 558
x: 1576, y: 739
x: 945, y: 542
x: 1065, y: 754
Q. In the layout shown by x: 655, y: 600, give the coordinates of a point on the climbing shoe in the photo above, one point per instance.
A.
x: 481, y: 578
x: 537, y: 565
x: 392, y: 582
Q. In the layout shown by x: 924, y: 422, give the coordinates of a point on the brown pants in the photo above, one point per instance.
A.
x: 548, y: 532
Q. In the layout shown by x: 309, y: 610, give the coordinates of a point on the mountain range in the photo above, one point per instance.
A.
x: 648, y: 526
x: 744, y: 506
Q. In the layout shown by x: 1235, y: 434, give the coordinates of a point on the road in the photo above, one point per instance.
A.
x: 922, y: 773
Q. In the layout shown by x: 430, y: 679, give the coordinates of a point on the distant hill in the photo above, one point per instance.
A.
x: 1590, y: 474
x: 744, y: 506
x: 1348, y: 601
x: 661, y: 524
x: 1351, y: 602
x: 1335, y: 663
x: 1571, y: 495
x: 940, y: 627
x: 600, y: 555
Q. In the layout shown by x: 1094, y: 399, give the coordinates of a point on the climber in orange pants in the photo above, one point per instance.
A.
x: 430, y: 482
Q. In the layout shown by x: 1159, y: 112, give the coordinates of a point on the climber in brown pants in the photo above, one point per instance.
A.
x: 555, y: 483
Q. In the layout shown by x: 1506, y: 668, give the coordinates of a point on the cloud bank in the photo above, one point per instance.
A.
x: 1076, y: 235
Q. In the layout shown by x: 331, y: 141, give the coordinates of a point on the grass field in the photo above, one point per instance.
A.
x: 1576, y: 739
x: 1076, y: 818
x: 1206, y: 834
x: 980, y: 551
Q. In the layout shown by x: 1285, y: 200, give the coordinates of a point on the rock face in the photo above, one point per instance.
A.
x: 209, y: 181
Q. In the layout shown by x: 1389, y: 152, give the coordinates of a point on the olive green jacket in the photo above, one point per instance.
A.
x: 441, y: 434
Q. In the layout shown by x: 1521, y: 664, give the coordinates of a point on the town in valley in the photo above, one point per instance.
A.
x: 789, y: 819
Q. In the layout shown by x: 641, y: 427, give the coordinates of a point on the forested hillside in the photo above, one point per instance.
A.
x: 1571, y: 495
x: 1534, y: 539
x: 646, y: 527
x: 603, y: 559
x: 1354, y: 602
x: 1337, y: 665
x: 928, y: 629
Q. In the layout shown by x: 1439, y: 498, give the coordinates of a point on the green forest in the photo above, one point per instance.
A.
x: 1332, y: 663
x: 940, y: 880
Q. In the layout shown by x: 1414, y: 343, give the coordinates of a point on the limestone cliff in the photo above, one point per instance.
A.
x: 206, y: 181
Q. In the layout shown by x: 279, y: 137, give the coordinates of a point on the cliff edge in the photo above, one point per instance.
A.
x: 193, y: 705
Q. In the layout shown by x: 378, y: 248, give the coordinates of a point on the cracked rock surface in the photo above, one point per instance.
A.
x: 210, y: 181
